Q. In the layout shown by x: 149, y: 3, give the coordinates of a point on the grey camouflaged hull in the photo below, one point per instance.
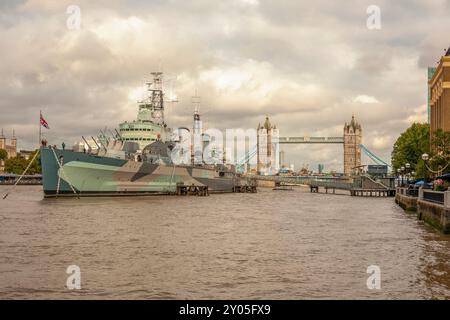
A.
x: 87, y: 175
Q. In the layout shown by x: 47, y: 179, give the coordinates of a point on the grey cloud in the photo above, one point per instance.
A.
x: 81, y: 79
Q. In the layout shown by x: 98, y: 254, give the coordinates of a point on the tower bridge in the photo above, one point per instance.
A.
x: 266, y: 150
x: 268, y: 142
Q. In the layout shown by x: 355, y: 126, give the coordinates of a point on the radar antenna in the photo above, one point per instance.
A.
x: 154, y: 102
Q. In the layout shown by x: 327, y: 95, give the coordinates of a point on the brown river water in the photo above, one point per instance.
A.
x: 268, y: 245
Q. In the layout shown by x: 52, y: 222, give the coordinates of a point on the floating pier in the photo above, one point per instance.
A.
x: 11, y: 179
x: 244, y: 189
x: 283, y: 188
x: 372, y: 192
x: 192, y: 190
x: 203, y: 191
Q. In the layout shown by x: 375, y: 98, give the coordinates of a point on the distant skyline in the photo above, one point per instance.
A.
x: 309, y: 66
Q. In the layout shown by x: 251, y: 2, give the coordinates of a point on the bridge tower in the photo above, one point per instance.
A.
x: 352, y: 150
x: 267, y: 148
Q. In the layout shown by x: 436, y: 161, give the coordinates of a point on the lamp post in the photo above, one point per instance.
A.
x: 426, y: 158
x: 402, y: 169
x: 408, y: 167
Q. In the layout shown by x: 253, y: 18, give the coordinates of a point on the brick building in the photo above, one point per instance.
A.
x: 11, y: 149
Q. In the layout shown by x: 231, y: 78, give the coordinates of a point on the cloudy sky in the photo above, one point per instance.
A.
x: 307, y: 64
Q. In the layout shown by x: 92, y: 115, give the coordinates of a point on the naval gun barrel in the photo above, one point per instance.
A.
x: 118, y: 134
x: 96, y: 143
x: 85, y: 141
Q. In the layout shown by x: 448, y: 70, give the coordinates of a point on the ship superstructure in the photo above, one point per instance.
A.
x: 150, y: 125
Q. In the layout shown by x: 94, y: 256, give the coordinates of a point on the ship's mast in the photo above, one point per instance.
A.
x: 155, y: 100
x: 197, y: 148
x: 197, y: 123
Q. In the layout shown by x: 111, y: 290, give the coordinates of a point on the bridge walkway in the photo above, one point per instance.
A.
x: 357, y: 186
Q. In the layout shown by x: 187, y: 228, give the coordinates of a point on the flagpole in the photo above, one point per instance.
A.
x: 40, y: 128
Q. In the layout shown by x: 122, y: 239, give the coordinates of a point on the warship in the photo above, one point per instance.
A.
x: 135, y: 160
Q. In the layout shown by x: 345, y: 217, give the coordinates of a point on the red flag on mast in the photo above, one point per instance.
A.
x: 44, y: 123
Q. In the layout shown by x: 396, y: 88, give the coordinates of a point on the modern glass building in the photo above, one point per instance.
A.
x: 431, y: 71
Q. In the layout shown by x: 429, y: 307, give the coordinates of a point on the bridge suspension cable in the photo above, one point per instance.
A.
x: 373, y: 156
x: 249, y: 155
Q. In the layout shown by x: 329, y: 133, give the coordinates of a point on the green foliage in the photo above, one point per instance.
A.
x: 440, y: 150
x: 414, y: 142
x: 36, y: 166
x: 441, y: 143
x: 18, y: 164
x: 15, y: 165
x: 3, y: 154
x: 409, y: 148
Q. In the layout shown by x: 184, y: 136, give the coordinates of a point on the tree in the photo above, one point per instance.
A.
x: 17, y: 165
x: 35, y: 168
x: 409, y: 148
x: 3, y: 154
x: 440, y: 150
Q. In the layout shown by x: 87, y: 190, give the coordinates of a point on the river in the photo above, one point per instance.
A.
x: 268, y: 245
